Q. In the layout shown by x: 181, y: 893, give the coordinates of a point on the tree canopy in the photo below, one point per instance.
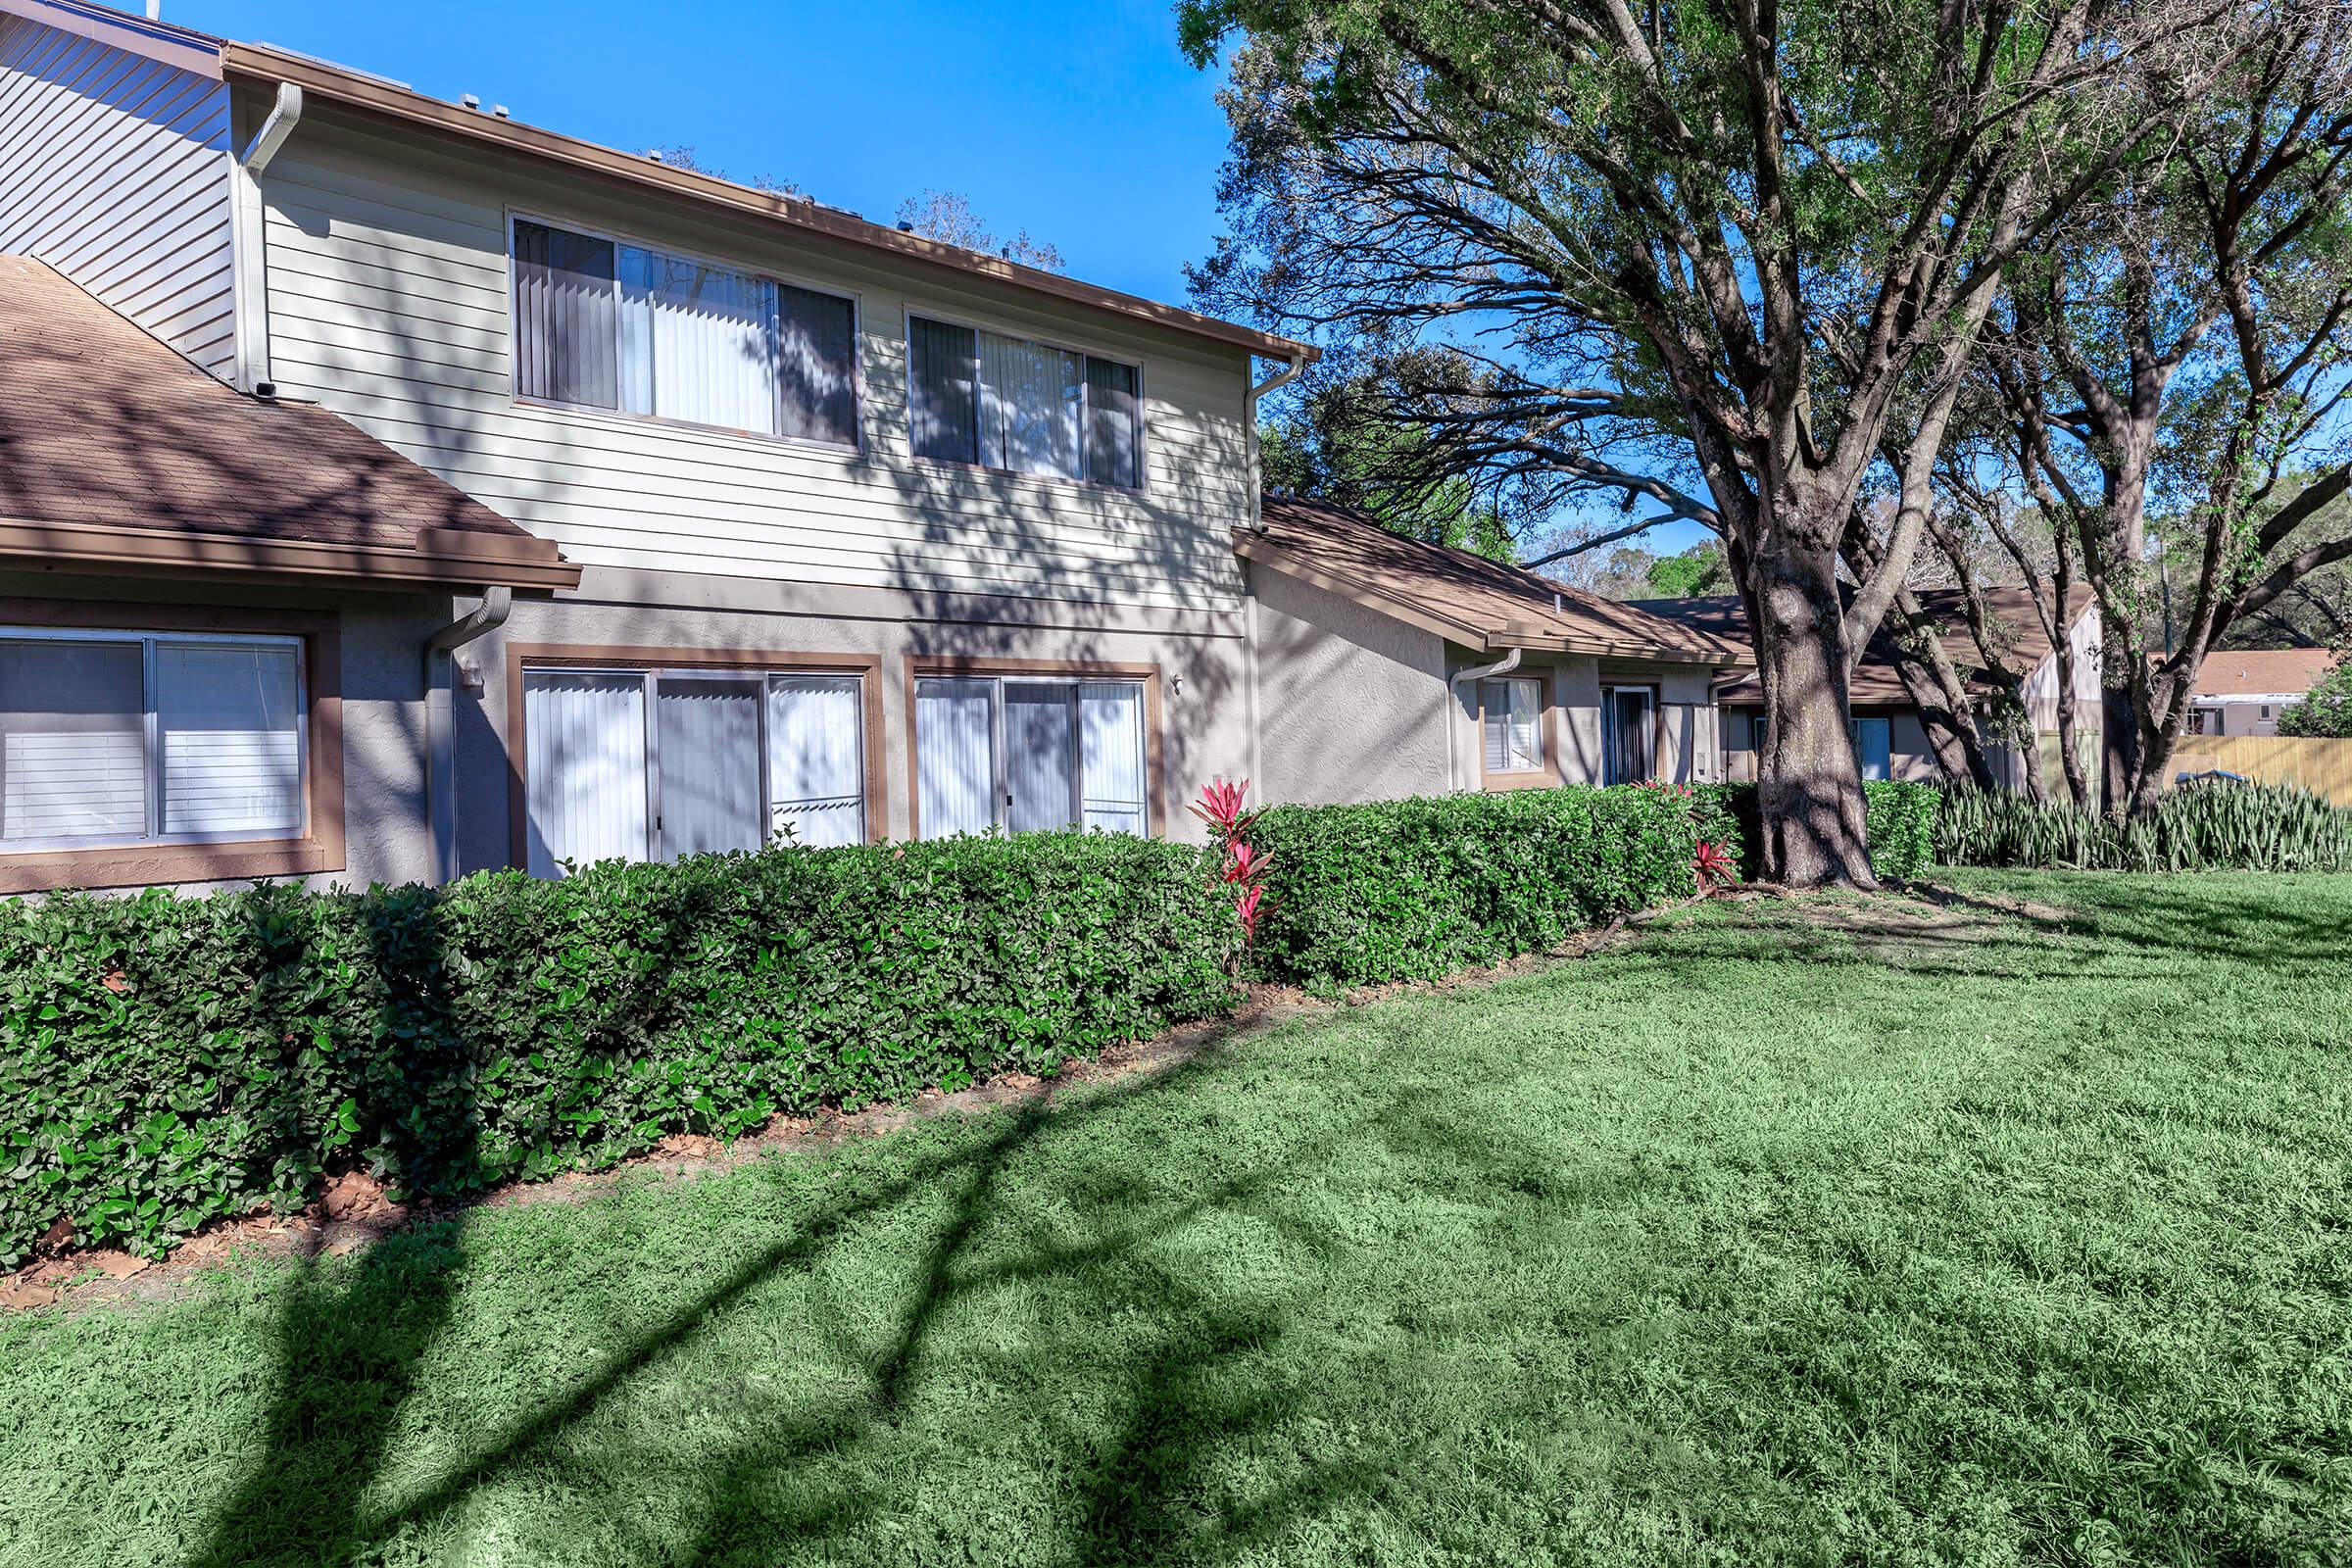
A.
x: 1721, y: 263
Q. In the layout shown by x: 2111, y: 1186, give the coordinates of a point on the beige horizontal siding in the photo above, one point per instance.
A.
x: 389, y: 300
x: 113, y: 170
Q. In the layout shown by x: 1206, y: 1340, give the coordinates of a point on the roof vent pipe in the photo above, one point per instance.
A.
x: 155, y: 10
x: 1461, y: 677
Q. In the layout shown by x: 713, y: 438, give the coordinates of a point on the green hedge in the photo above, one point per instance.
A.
x: 165, y: 1060
x: 2208, y: 826
x: 1898, y: 815
x: 1414, y: 889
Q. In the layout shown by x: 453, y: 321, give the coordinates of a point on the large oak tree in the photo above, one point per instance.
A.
x: 1710, y: 257
x: 2186, y: 338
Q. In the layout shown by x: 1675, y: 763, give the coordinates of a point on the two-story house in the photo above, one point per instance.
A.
x: 391, y: 489
x: 806, y: 520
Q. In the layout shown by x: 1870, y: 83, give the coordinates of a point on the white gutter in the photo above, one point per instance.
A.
x: 248, y: 239
x: 440, y: 738
x: 1501, y: 666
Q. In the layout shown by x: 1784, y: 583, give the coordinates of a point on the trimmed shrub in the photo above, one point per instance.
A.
x: 2209, y: 826
x: 2325, y: 710
x: 1900, y: 815
x: 165, y: 1061
x: 1414, y: 889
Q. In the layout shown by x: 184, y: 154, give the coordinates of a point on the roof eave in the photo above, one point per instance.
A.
x: 377, y: 96
x: 441, y: 557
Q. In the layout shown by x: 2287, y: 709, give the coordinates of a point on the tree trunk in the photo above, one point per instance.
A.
x: 1951, y: 726
x: 1809, y: 785
x: 2119, y: 715
x: 2112, y: 559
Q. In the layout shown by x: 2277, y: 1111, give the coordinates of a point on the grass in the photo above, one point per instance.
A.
x: 1773, y: 1237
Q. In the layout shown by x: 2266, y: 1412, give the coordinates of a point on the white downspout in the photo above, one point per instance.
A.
x: 440, y: 737
x: 1290, y: 372
x: 249, y: 238
x: 1501, y: 666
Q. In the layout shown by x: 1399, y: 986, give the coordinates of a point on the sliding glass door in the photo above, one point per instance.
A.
x: 660, y: 764
x: 1041, y: 756
x: 1029, y: 755
x: 1629, y: 716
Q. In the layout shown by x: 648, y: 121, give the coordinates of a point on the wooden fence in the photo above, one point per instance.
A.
x: 2323, y: 767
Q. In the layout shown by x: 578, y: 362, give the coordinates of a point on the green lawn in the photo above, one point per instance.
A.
x: 1758, y: 1240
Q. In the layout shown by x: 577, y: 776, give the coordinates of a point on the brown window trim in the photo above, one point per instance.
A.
x: 1544, y: 777
x: 867, y: 667
x: 1155, y: 818
x: 1657, y: 721
x: 320, y: 849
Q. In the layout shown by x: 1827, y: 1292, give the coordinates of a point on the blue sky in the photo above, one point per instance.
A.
x: 1079, y: 122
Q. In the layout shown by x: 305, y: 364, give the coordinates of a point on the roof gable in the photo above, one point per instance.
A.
x: 1480, y: 603
x: 118, y: 454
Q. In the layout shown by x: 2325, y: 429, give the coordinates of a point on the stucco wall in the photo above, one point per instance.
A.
x: 1353, y: 703
x: 1202, y: 675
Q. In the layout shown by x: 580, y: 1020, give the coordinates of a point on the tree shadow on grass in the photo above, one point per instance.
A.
x: 348, y: 1357
x: 349, y: 1354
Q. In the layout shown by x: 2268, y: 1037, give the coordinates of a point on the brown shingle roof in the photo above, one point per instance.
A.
x: 118, y: 454
x: 1876, y: 682
x: 1464, y: 598
x: 2263, y: 671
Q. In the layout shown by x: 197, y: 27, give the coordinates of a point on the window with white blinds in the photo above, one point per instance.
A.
x: 1028, y: 755
x: 137, y: 737
x: 658, y: 763
x: 1513, y: 721
x: 1021, y: 406
x: 606, y: 325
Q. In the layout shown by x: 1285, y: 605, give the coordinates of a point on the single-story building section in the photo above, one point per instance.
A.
x: 217, y: 613
x: 1387, y: 667
x: 2242, y: 691
x: 1890, y: 739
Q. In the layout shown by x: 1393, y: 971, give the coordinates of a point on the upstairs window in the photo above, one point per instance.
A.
x: 121, y: 738
x: 605, y: 325
x: 1023, y: 406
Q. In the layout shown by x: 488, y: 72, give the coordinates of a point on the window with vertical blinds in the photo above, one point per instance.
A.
x: 1029, y: 755
x: 1512, y: 711
x: 645, y: 764
x: 1020, y: 406
x: 116, y: 738
x: 610, y: 325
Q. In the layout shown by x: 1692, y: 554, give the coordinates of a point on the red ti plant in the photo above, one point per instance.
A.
x: 1220, y: 806
x: 1245, y: 866
x: 1714, y: 867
